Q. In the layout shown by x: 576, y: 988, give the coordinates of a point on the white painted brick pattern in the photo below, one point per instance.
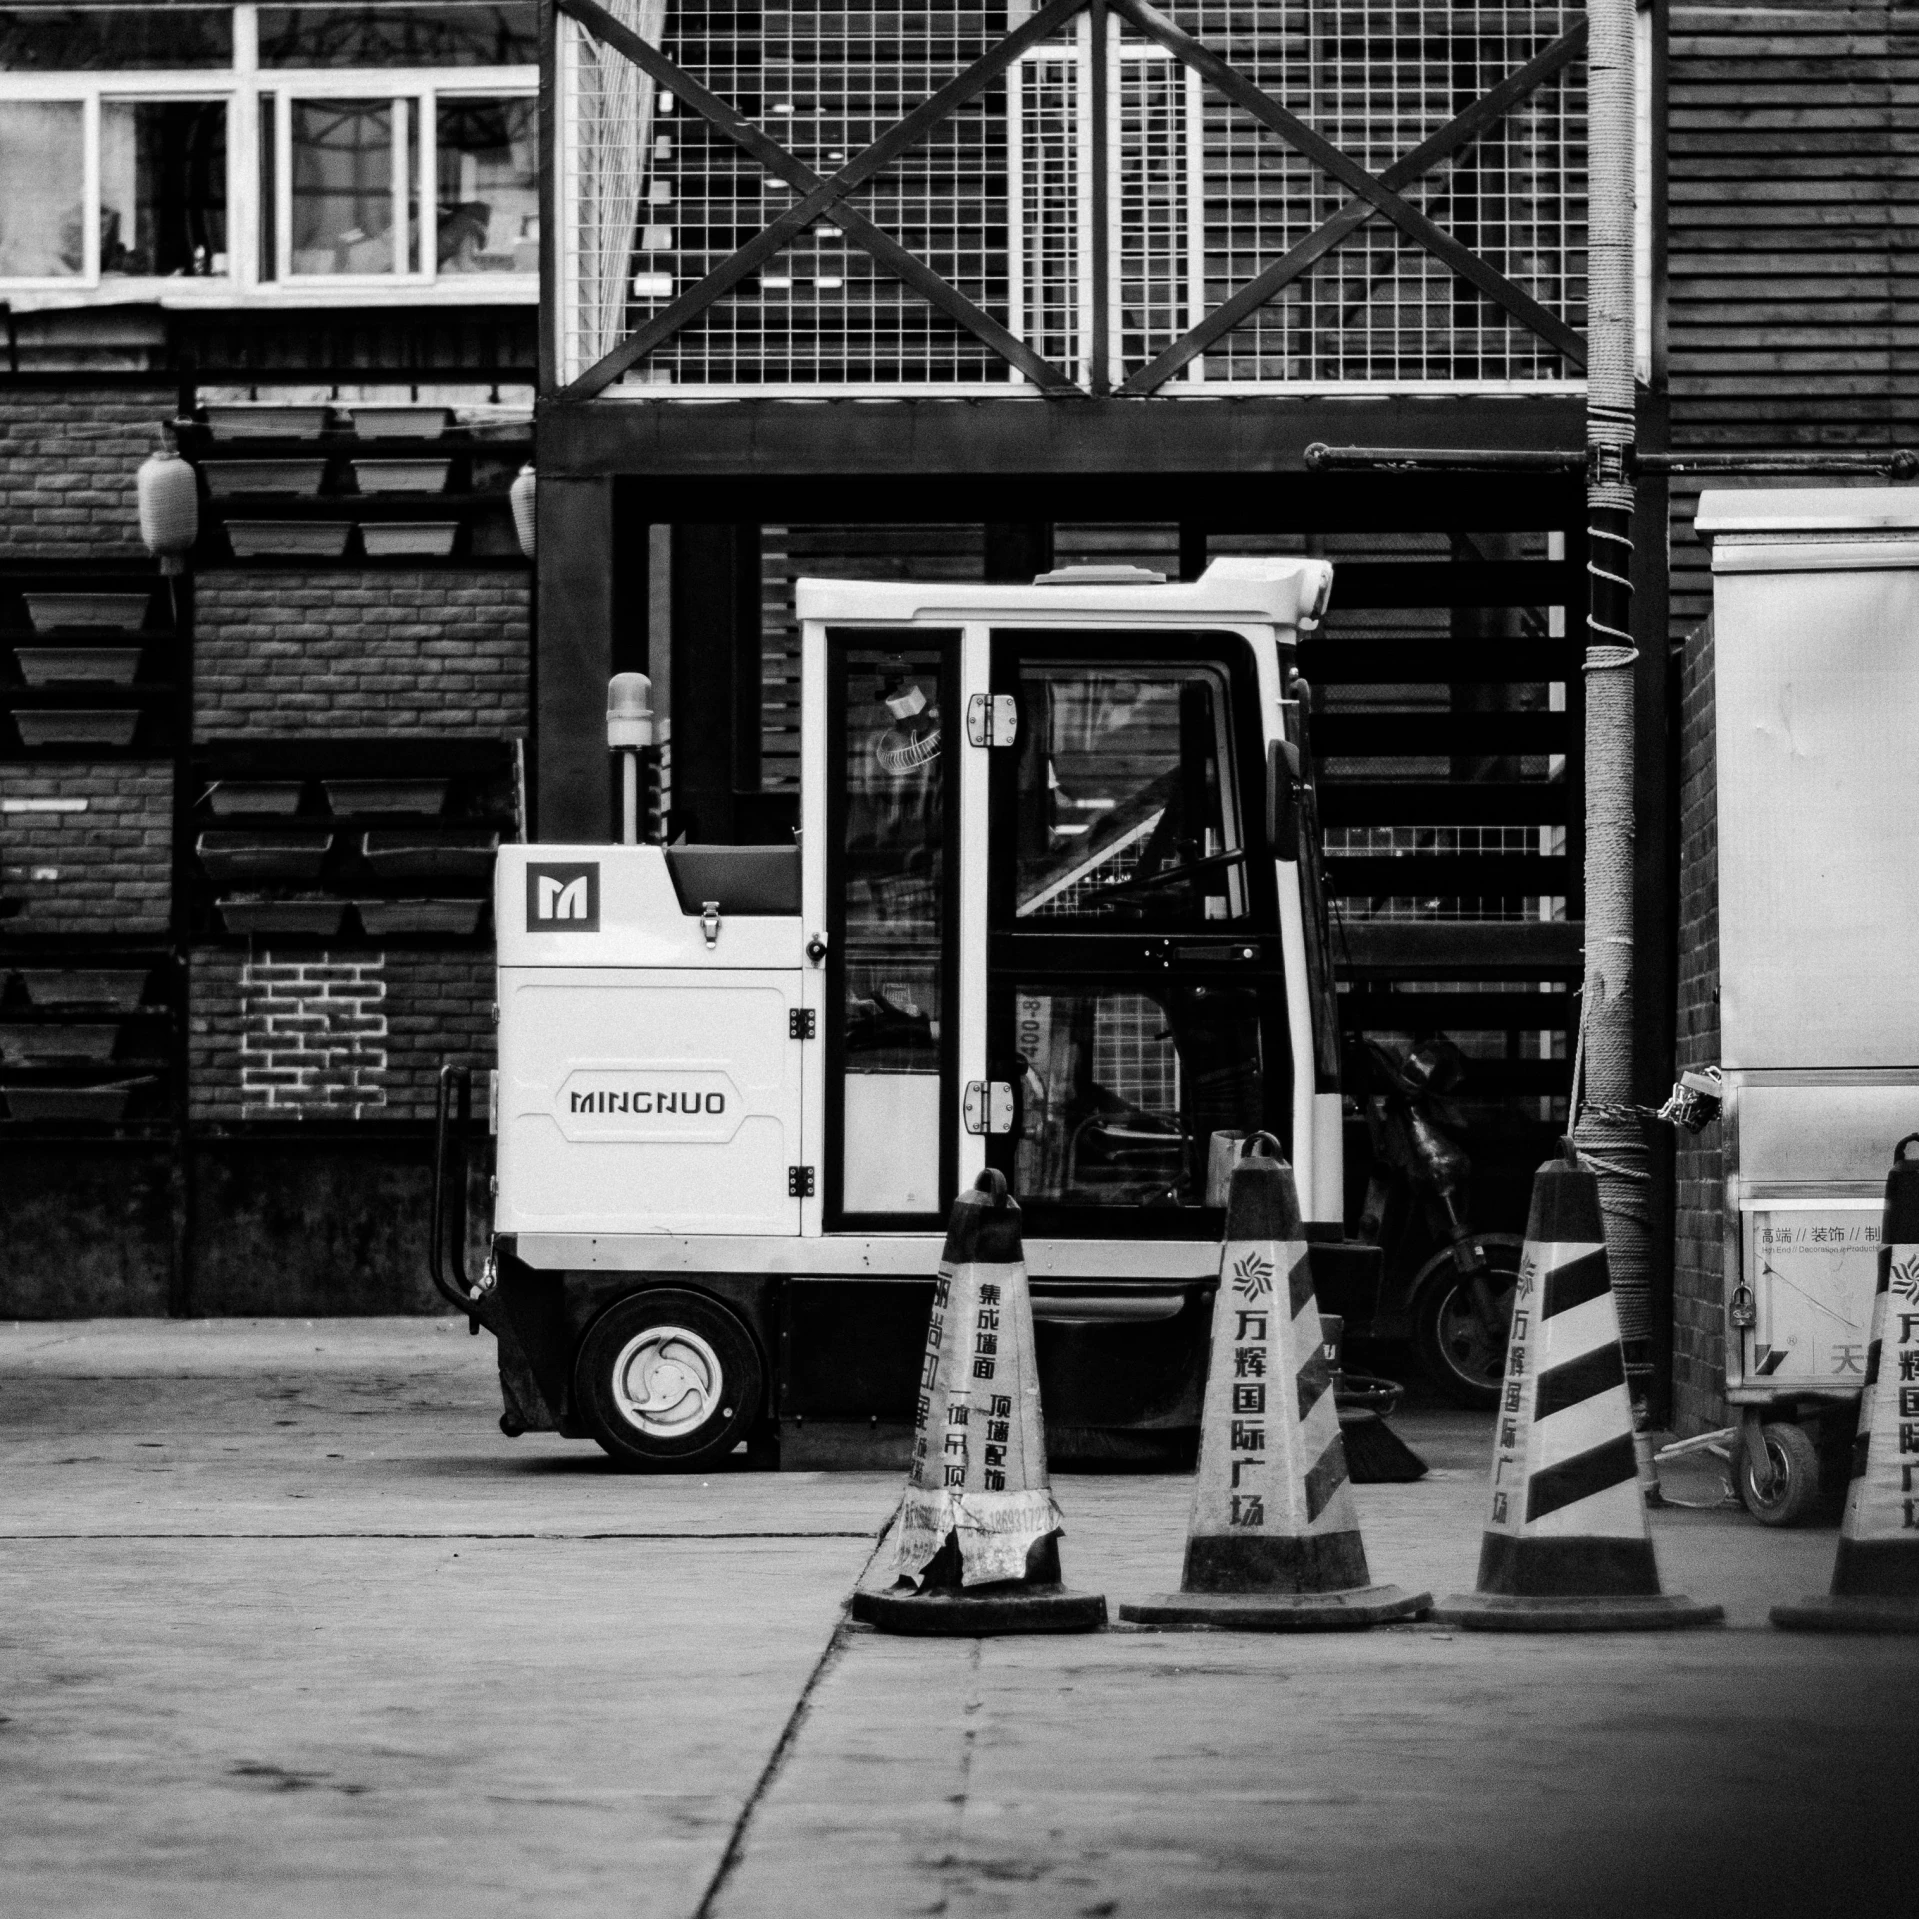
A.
x: 312, y: 1036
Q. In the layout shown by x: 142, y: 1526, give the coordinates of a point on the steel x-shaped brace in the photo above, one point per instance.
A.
x: 824, y: 198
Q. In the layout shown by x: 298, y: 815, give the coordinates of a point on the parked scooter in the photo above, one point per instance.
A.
x: 1452, y: 1287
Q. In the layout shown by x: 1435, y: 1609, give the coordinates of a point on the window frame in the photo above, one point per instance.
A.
x: 248, y: 90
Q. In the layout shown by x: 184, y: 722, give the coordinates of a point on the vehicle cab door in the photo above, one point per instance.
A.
x: 1135, y: 1003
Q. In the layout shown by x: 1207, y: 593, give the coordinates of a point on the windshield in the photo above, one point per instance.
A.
x: 1125, y: 808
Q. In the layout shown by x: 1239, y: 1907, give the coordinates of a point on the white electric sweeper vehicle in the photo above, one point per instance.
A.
x: 1047, y: 911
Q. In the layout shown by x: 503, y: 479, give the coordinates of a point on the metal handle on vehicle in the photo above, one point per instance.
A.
x: 443, y: 1251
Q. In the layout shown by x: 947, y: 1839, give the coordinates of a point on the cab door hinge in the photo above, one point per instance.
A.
x: 799, y: 1182
x: 992, y: 719
x: 801, y: 1022
x: 988, y: 1106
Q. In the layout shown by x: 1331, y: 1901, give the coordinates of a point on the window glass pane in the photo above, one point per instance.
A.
x: 44, y: 169
x: 74, y: 39
x: 892, y: 880
x: 1121, y: 809
x: 1122, y: 1092
x: 343, y: 186
x: 399, y: 36
x: 163, y: 186
x: 489, y: 195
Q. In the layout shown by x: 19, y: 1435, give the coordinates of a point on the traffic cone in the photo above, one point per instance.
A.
x: 1567, y: 1547
x: 1875, y: 1578
x: 979, y: 1528
x: 1274, y: 1544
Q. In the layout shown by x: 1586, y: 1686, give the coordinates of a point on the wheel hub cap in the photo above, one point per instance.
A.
x: 667, y: 1382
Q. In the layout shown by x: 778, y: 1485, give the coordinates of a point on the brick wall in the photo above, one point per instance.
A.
x: 1698, y: 1325
x: 67, y: 465
x: 352, y: 654
x: 325, y: 1035
x: 107, y: 869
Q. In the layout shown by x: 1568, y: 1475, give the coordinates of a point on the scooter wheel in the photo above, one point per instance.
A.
x: 1794, y: 1490
x: 668, y: 1380
x: 1453, y: 1348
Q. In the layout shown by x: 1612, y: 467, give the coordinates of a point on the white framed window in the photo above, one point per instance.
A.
x: 371, y: 183
x: 301, y: 154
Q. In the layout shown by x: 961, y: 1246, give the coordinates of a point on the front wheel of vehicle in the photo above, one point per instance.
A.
x: 1453, y: 1346
x: 668, y: 1381
x: 1793, y: 1490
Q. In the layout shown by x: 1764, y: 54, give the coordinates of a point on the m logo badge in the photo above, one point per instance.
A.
x: 563, y: 898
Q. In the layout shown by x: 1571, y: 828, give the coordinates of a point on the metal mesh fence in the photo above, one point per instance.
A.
x: 999, y: 198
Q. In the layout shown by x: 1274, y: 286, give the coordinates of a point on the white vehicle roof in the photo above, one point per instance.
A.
x: 1279, y: 592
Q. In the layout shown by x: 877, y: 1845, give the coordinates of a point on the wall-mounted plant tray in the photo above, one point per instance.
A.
x: 119, y: 989
x: 426, y: 539
x: 393, y: 919
x: 322, y: 918
x: 116, y: 612
x: 266, y: 422
x: 304, y: 539
x: 50, y: 1103
x: 401, y: 476
x: 78, y: 726
x: 76, y: 1045
x: 238, y: 858
x: 386, y: 796
x: 455, y: 857
x: 226, y: 478
x: 254, y: 796
x: 400, y: 422
x: 78, y: 665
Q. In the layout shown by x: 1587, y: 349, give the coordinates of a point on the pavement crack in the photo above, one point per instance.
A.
x: 784, y: 1744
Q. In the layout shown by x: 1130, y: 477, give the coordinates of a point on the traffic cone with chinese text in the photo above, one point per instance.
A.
x: 1567, y: 1547
x: 978, y: 1548
x: 1875, y: 1578
x: 1274, y: 1544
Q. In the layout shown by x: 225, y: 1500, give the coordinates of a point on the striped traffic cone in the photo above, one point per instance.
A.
x: 979, y: 1528
x: 1875, y: 1578
x: 1567, y: 1547
x: 1274, y: 1544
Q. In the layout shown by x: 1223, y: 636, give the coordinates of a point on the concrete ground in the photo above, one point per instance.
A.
x: 287, y: 1628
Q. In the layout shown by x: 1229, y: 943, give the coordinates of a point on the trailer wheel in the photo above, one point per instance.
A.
x: 1458, y: 1357
x: 1795, y: 1477
x: 668, y: 1381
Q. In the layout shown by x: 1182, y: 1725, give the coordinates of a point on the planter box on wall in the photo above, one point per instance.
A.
x: 401, y: 476
x: 419, y: 539
x: 119, y: 988
x: 115, y: 612
x: 303, y: 539
x: 78, y: 665
x: 386, y: 919
x: 266, y: 422
x: 67, y: 726
x: 321, y: 918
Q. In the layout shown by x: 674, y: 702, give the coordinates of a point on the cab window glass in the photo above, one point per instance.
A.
x: 1125, y: 810
x: 1133, y: 1097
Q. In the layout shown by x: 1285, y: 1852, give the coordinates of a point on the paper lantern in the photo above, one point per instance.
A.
x: 169, y: 508
x: 521, y: 493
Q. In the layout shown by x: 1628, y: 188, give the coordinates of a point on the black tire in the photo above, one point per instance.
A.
x: 1794, y: 1492
x: 668, y: 1381
x: 1446, y: 1333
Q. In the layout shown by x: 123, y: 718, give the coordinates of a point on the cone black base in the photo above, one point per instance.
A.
x: 1575, y: 1612
x: 1280, y: 1611
x: 981, y: 1612
x: 1273, y: 1563
x: 1830, y: 1612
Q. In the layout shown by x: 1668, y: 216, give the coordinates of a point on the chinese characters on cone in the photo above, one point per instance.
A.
x: 1274, y: 1543
x: 978, y: 1541
x: 1875, y: 1577
x: 1566, y: 1546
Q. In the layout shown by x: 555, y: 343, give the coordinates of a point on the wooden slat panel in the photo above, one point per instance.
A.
x: 1442, y: 803
x: 1381, y: 1010
x: 1346, y: 662
x: 1455, y: 583
x: 1459, y: 949
x: 1449, y: 875
x: 1379, y: 735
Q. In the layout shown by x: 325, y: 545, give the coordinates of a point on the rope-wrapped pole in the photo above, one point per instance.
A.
x: 1605, y: 1127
